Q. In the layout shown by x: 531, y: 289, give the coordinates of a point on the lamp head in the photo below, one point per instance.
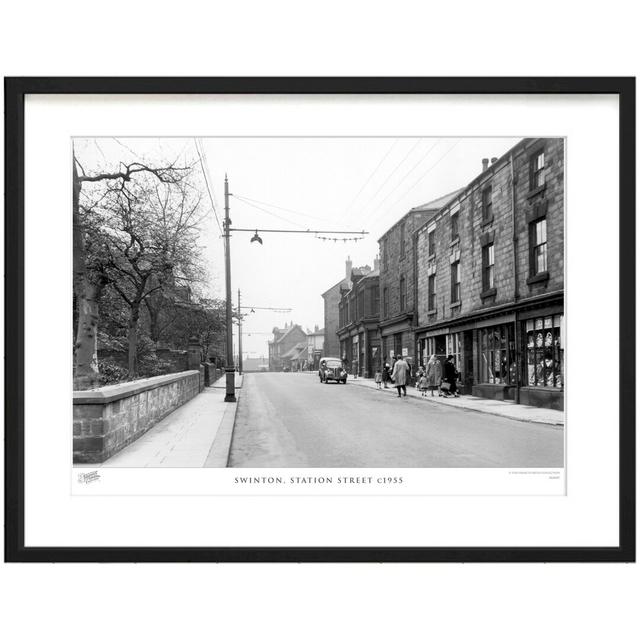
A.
x: 256, y: 237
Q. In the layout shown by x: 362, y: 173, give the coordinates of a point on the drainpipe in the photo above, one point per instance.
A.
x: 516, y: 334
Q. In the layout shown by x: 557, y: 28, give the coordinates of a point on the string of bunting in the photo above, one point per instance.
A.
x: 325, y: 238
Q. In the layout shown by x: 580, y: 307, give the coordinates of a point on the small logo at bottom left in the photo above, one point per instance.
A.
x: 89, y: 476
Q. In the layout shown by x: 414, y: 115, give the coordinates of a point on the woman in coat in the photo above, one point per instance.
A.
x: 434, y: 374
x: 451, y: 376
x: 399, y: 376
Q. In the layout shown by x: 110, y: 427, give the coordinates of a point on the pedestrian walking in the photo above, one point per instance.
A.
x: 450, y: 377
x: 433, y: 377
x: 378, y: 379
x: 422, y: 381
x: 386, y: 375
x: 399, y: 376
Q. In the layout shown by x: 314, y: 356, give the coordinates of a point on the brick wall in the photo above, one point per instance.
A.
x: 108, y: 419
x: 473, y: 233
x: 331, y: 320
x: 398, y: 265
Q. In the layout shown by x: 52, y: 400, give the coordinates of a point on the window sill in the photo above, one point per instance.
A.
x: 486, y: 222
x: 536, y: 191
x: 540, y: 277
x: 453, y: 243
x: 432, y: 312
x: 489, y: 293
x: 455, y: 305
x: 432, y: 257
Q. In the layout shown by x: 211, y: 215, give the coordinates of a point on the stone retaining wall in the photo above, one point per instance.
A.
x: 107, y: 419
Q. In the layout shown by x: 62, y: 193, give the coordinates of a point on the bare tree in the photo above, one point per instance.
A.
x: 89, y: 276
x: 150, y: 235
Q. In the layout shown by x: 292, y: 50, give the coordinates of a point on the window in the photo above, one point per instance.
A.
x: 487, y: 267
x: 360, y: 313
x: 454, y: 227
x: 454, y: 348
x: 545, y: 351
x: 487, y: 205
x: 455, y: 282
x: 402, y: 239
x: 432, y: 243
x: 385, y: 254
x: 538, y: 244
x: 375, y: 300
x: 432, y: 292
x: 385, y: 302
x: 497, y: 354
x: 536, y: 170
x: 403, y: 293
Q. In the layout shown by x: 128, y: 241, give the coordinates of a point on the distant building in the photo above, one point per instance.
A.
x: 315, y: 345
x: 490, y: 272
x: 285, y: 343
x: 359, y: 314
x: 255, y: 364
x: 332, y: 297
x: 397, y: 280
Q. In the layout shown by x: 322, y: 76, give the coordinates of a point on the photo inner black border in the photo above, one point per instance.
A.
x: 15, y: 91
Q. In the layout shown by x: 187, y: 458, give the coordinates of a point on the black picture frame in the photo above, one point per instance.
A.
x: 15, y: 91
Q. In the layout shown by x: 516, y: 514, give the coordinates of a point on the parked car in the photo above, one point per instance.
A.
x: 332, y: 369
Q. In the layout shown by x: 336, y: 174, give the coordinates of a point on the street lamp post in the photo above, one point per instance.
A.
x: 230, y: 395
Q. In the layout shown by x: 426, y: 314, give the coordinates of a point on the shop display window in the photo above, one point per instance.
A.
x: 497, y: 354
x: 545, y: 351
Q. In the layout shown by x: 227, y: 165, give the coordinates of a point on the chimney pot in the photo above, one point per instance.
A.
x: 494, y: 160
x: 485, y: 164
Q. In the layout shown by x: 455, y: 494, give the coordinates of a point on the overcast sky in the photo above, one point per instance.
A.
x: 326, y: 184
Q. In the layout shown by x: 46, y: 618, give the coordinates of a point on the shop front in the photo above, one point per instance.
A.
x: 543, y: 361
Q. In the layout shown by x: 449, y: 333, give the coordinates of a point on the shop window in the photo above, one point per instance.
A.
x: 432, y: 292
x: 454, y: 348
x: 545, y: 351
x: 538, y: 246
x: 454, y: 227
x: 536, y: 170
x: 487, y: 267
x: 497, y: 352
x: 403, y: 293
x: 455, y: 282
x: 487, y: 204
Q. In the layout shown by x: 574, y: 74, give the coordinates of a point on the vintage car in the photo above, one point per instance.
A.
x: 332, y: 369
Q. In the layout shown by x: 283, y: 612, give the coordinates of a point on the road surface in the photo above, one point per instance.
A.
x: 291, y: 420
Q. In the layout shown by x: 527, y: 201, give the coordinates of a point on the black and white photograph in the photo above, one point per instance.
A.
x: 318, y: 302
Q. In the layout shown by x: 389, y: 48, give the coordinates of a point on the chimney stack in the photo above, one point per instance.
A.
x: 485, y: 164
x: 494, y: 160
x: 348, y: 265
x: 376, y: 263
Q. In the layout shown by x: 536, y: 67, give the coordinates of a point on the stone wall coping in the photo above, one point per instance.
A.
x: 111, y: 393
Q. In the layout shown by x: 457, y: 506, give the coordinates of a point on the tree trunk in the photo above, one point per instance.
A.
x: 133, y: 340
x: 86, y: 373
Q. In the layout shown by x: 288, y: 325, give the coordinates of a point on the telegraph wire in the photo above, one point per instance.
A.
x: 406, y: 175
x: 366, y: 182
x: 424, y: 175
x: 275, y: 215
x: 373, y: 197
x: 206, y: 181
x: 275, y: 206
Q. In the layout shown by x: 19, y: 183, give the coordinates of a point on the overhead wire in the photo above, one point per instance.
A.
x: 373, y: 197
x: 406, y: 175
x: 206, y: 181
x: 366, y: 182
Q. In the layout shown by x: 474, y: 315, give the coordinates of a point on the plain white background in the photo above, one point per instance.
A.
x: 344, y: 601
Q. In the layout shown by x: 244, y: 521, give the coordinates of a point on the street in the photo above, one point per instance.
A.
x: 291, y: 420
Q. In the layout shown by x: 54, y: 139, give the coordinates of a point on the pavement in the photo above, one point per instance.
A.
x: 291, y: 420
x: 504, y: 408
x: 196, y: 434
